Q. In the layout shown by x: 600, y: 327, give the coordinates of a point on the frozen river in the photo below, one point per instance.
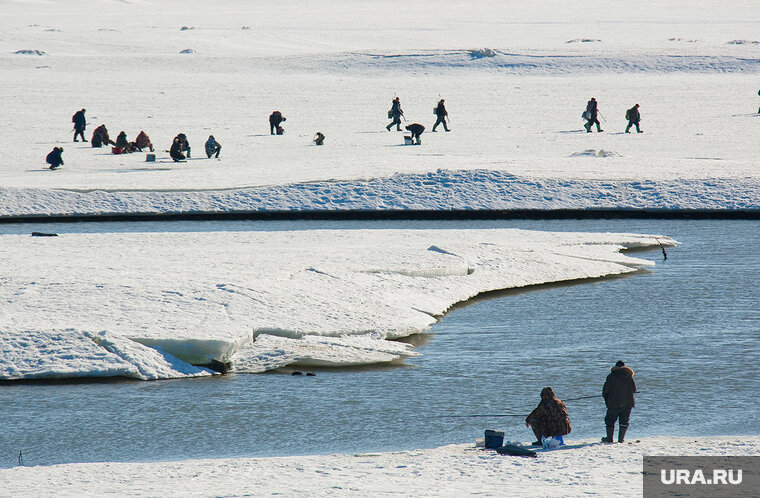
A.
x: 690, y: 328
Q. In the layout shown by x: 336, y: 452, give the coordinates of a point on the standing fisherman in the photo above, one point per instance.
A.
x: 618, y: 396
x: 80, y: 123
x: 591, y: 116
x: 441, y: 112
x: 395, y: 113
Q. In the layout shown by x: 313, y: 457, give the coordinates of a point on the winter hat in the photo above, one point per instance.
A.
x: 620, y: 363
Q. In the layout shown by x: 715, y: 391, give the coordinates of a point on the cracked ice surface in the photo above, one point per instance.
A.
x: 311, y: 297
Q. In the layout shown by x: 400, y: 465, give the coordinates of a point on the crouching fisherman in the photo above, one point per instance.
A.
x: 416, y: 130
x: 176, y: 150
x: 54, y: 158
x: 550, y: 417
x: 100, y: 137
x: 213, y: 147
x: 142, y: 141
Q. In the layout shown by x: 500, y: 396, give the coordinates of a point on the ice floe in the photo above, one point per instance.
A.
x: 148, y: 305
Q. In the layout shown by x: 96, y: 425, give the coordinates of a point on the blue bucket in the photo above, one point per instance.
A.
x: 494, y: 439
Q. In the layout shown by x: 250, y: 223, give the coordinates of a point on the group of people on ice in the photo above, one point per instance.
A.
x: 416, y: 129
x: 591, y: 115
x: 179, y: 151
x: 180, y: 148
x: 550, y: 417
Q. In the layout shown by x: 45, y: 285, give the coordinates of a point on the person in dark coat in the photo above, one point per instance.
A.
x: 213, y: 147
x: 100, y: 137
x: 633, y: 116
x: 416, y: 130
x: 142, y: 141
x: 54, y: 158
x: 549, y: 418
x: 441, y: 112
x: 319, y: 138
x: 274, y: 122
x: 80, y: 123
x: 184, y: 145
x: 395, y: 113
x: 122, y: 144
x: 176, y: 150
x: 618, y: 393
x: 591, y: 116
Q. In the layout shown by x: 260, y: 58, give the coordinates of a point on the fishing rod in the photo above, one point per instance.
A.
x: 513, y: 414
x: 479, y: 415
x: 664, y: 254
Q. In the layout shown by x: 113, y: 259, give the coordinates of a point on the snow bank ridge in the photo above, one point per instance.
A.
x: 440, y: 190
x: 519, y: 63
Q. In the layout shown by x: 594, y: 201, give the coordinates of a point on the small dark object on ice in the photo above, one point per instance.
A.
x: 511, y: 449
x: 311, y: 374
x: 43, y: 234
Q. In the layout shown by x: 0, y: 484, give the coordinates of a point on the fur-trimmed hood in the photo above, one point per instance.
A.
x: 622, y: 371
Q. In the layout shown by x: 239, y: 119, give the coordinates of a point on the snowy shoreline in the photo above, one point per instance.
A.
x: 582, y: 468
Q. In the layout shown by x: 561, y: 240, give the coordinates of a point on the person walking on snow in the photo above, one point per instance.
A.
x: 213, y: 147
x: 550, y: 417
x: 395, y: 113
x: 591, y: 116
x: 440, y: 111
x: 54, y: 158
x: 618, y: 393
x: 80, y: 123
x: 633, y: 117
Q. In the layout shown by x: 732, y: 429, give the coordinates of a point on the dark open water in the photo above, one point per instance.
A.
x: 690, y: 329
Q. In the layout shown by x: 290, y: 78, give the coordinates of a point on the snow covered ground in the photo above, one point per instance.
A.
x: 517, y: 139
x: 582, y: 468
x: 516, y: 77
x: 103, y: 304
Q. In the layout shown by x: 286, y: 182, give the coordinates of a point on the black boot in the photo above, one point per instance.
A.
x: 621, y: 433
x: 610, y: 434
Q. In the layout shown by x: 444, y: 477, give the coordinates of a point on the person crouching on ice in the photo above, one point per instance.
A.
x: 416, y: 130
x: 176, y: 150
x: 212, y: 147
x: 54, y: 158
x: 550, y: 418
x: 142, y: 141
